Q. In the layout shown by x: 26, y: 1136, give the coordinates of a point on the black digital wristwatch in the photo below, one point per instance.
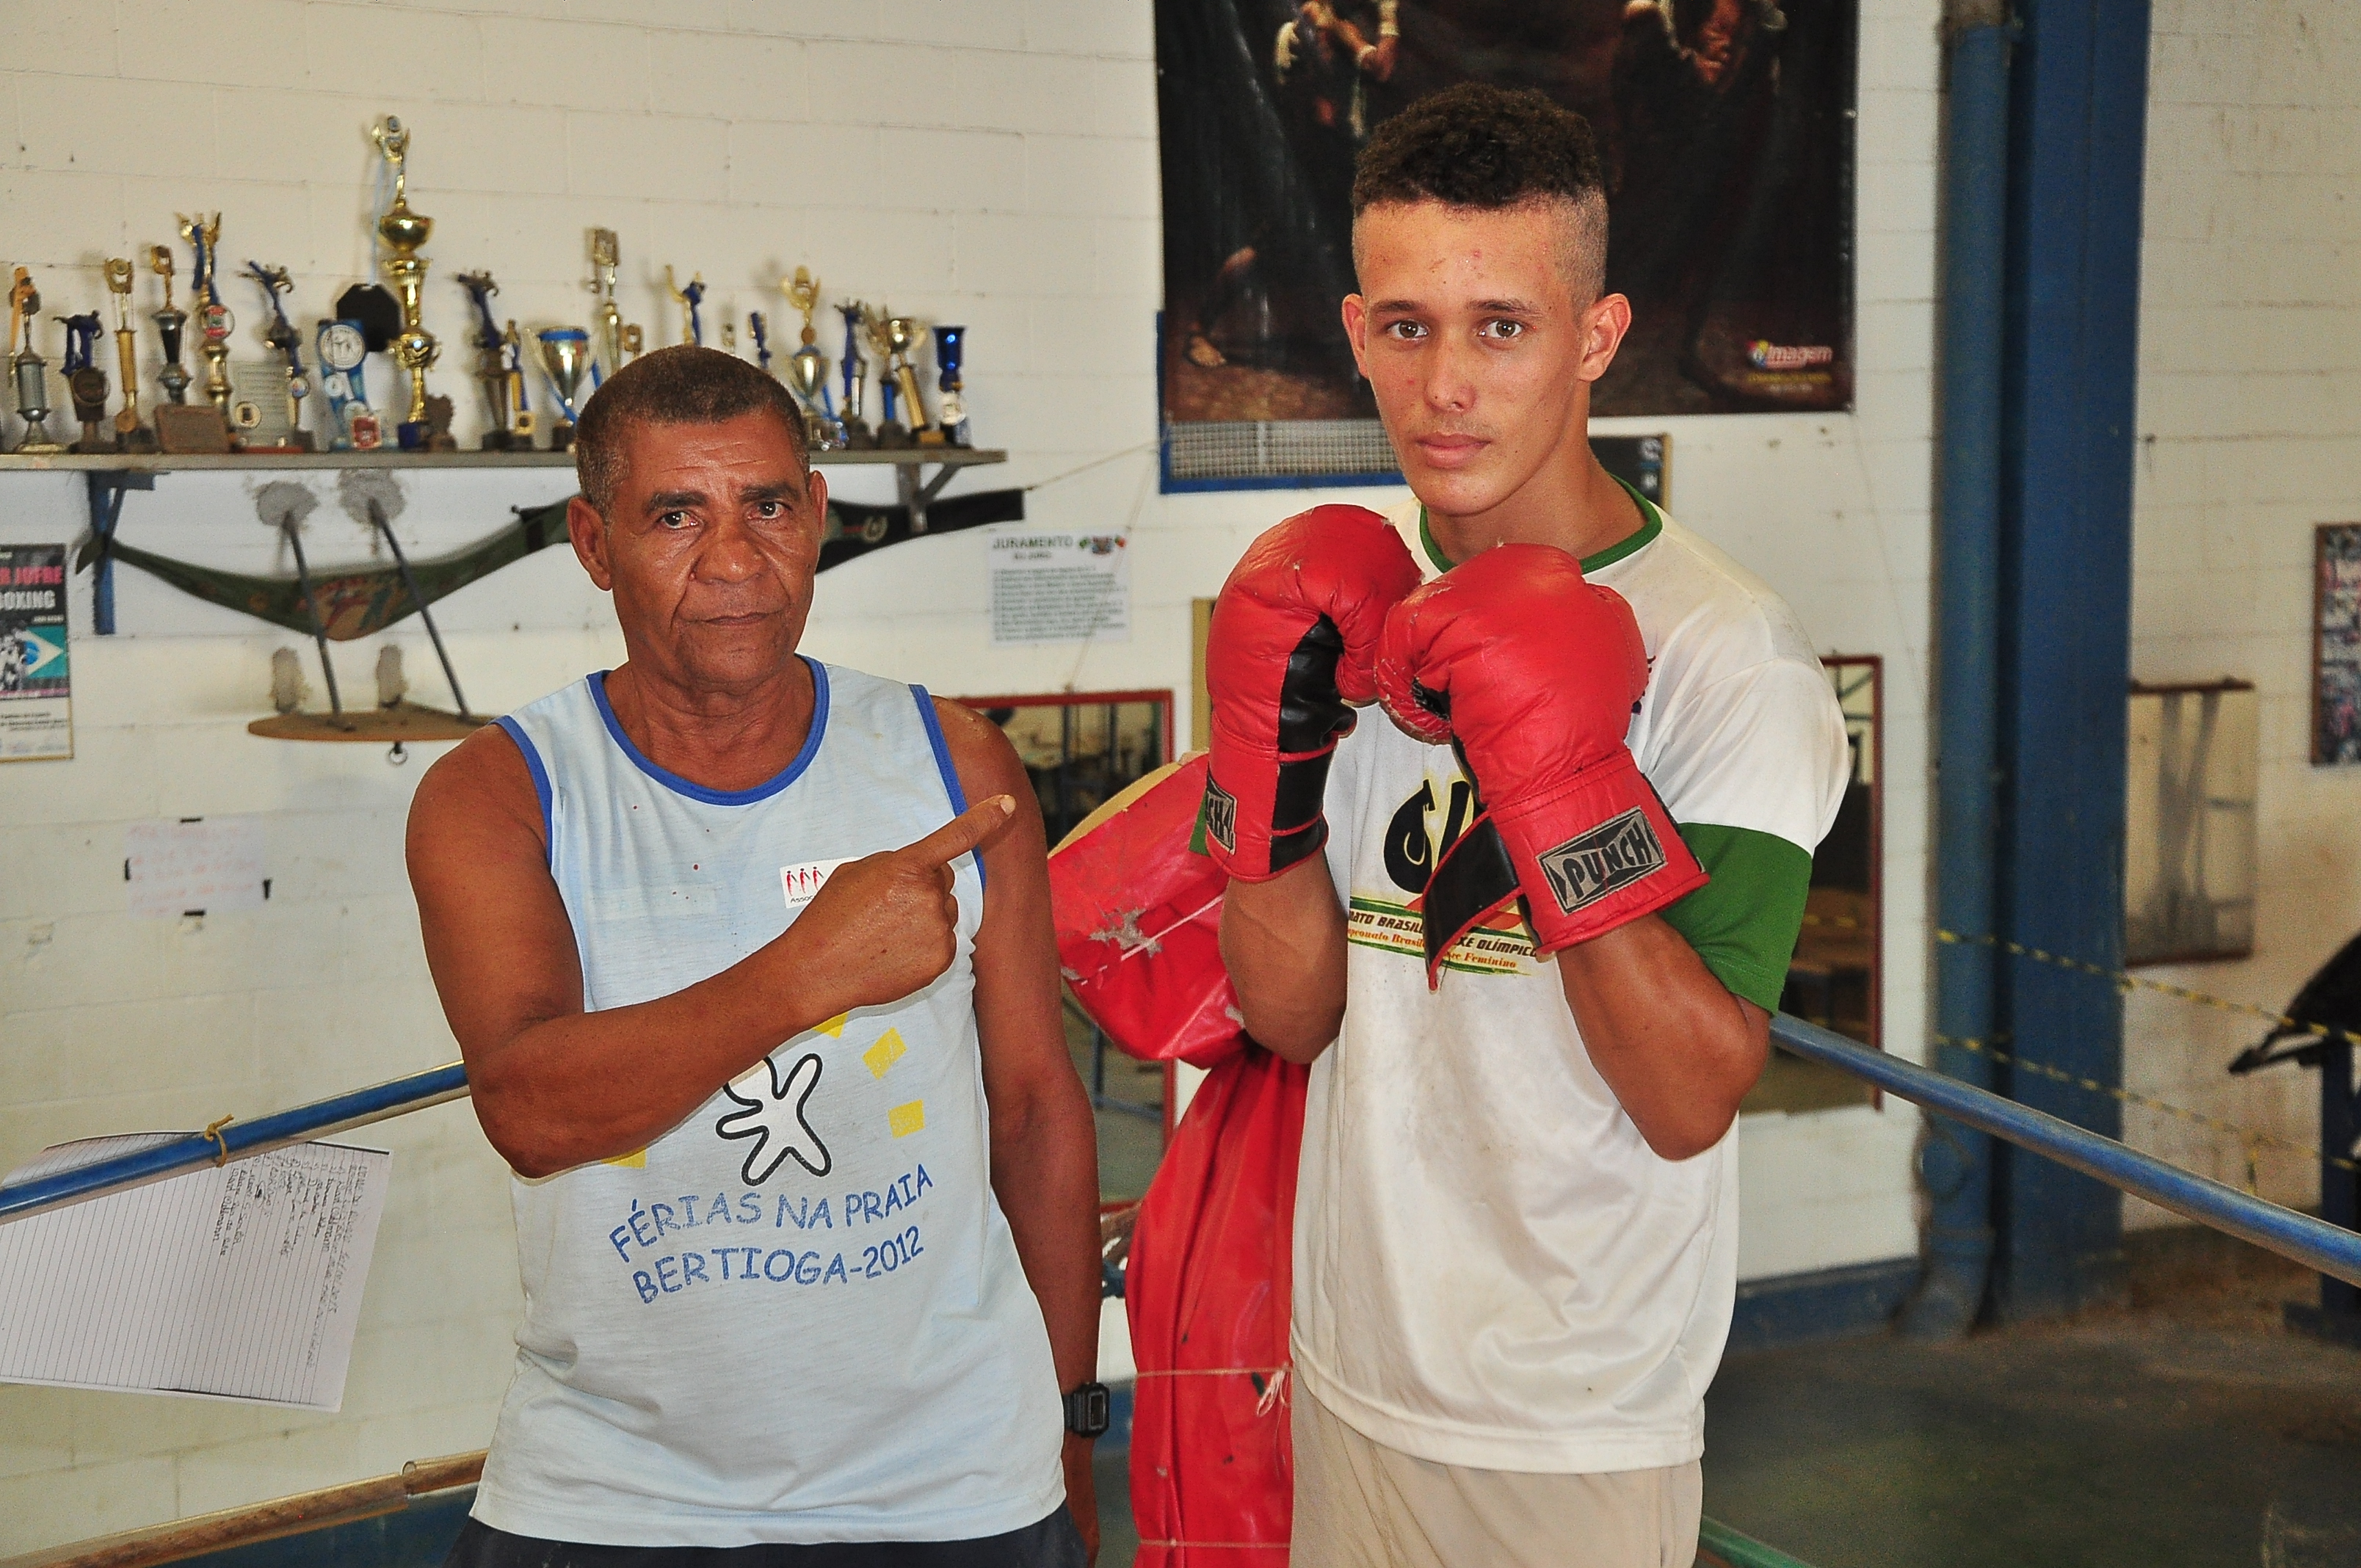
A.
x: 1088, y: 1410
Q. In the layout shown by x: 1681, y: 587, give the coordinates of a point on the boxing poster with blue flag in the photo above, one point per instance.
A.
x: 36, y: 677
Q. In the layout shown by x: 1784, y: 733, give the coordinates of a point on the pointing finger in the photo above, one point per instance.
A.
x: 963, y: 832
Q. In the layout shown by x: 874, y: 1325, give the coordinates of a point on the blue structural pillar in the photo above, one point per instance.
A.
x: 1955, y: 1160
x: 2077, y: 118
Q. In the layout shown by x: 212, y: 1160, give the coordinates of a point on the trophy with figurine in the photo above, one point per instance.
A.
x: 404, y: 231
x: 855, y: 370
x: 281, y: 336
x: 492, y: 370
x: 130, y: 434
x: 170, y: 322
x: 86, y: 382
x: 26, y: 369
x: 688, y: 297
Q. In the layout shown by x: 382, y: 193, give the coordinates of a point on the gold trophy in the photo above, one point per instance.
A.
x: 520, y: 408
x: 130, y: 435
x: 617, y: 343
x: 404, y: 231
x: 807, y: 368
x: 893, y: 337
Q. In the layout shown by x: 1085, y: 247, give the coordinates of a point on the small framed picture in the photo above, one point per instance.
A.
x: 2336, y: 645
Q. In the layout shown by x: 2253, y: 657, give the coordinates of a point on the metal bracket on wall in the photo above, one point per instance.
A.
x: 911, y: 493
x: 106, y: 488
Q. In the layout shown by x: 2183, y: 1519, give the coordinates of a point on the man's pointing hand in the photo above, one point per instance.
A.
x: 889, y: 923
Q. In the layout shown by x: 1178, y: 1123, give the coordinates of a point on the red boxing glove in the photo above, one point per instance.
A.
x: 1290, y: 646
x: 1532, y: 674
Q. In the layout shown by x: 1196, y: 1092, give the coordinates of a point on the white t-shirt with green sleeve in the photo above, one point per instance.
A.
x: 1492, y: 1268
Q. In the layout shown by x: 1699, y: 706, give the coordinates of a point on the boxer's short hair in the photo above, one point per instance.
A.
x: 681, y: 385
x: 1487, y: 147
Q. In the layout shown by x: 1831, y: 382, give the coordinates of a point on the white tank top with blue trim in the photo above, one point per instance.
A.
x: 799, y: 1316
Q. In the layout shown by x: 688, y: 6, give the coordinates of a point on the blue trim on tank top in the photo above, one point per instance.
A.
x: 943, y: 765
x: 540, y: 781
x: 679, y: 785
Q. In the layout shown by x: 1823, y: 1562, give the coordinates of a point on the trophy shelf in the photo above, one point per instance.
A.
x: 909, y: 457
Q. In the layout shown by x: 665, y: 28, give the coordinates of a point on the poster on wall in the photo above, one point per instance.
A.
x: 36, y: 678
x: 2336, y: 645
x: 1050, y: 587
x: 1725, y: 128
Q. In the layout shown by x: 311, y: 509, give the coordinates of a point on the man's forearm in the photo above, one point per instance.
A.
x: 1283, y: 943
x: 569, y: 1090
x: 1678, y: 1050
x: 1045, y: 1173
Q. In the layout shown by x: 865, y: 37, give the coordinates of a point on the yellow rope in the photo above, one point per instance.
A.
x: 2249, y: 1136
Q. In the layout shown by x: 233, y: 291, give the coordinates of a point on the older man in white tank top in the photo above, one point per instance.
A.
x: 764, y: 1015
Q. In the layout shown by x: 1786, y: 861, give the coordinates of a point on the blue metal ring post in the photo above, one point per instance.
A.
x: 2315, y: 1244
x: 236, y: 1140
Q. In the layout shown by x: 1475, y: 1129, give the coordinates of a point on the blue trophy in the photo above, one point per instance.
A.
x: 857, y: 435
x: 951, y: 349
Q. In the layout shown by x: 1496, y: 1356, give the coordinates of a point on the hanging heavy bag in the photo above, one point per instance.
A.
x: 1207, y: 1282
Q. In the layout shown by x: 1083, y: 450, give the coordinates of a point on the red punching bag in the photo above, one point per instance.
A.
x: 1206, y: 1286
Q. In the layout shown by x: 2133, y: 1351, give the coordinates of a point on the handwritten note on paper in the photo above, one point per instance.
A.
x: 242, y: 1282
x: 213, y: 863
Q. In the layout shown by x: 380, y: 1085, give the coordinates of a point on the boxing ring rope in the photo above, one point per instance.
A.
x: 2315, y: 1244
x: 230, y: 1139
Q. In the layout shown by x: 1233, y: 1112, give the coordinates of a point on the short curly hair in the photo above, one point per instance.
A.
x: 1487, y: 147
x: 680, y: 385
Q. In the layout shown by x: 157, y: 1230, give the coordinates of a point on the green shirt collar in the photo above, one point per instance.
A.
x: 1651, y: 523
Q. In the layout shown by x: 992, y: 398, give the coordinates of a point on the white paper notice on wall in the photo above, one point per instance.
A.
x: 204, y: 865
x: 1050, y: 587
x: 240, y: 1281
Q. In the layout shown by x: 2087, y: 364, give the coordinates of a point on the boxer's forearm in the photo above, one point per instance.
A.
x: 1283, y: 943
x: 568, y: 1090
x: 1676, y: 1047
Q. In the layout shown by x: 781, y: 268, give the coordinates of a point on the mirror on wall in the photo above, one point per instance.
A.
x: 1834, y: 979
x: 1081, y: 749
x: 2188, y: 823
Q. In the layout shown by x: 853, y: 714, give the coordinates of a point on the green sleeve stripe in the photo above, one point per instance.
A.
x: 1744, y: 922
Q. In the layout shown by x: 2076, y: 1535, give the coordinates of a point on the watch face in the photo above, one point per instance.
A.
x: 342, y: 346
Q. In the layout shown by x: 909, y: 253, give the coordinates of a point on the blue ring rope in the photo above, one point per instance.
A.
x: 2315, y: 1244
x: 236, y: 1140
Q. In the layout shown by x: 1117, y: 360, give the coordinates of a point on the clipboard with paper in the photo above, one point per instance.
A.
x: 238, y: 1281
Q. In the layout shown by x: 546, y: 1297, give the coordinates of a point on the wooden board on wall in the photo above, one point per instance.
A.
x: 1201, y: 623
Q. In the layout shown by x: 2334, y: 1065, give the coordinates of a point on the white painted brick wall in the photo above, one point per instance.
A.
x: 991, y: 163
x: 2250, y: 359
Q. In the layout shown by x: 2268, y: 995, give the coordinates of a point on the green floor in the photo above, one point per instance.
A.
x: 2182, y: 1427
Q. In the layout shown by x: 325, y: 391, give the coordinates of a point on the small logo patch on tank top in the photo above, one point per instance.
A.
x: 802, y: 884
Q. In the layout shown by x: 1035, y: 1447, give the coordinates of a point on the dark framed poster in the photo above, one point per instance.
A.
x: 36, y: 676
x: 1726, y: 128
x: 2336, y: 645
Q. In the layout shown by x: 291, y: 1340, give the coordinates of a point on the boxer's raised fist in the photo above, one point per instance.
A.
x: 1533, y: 673
x: 1288, y: 654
